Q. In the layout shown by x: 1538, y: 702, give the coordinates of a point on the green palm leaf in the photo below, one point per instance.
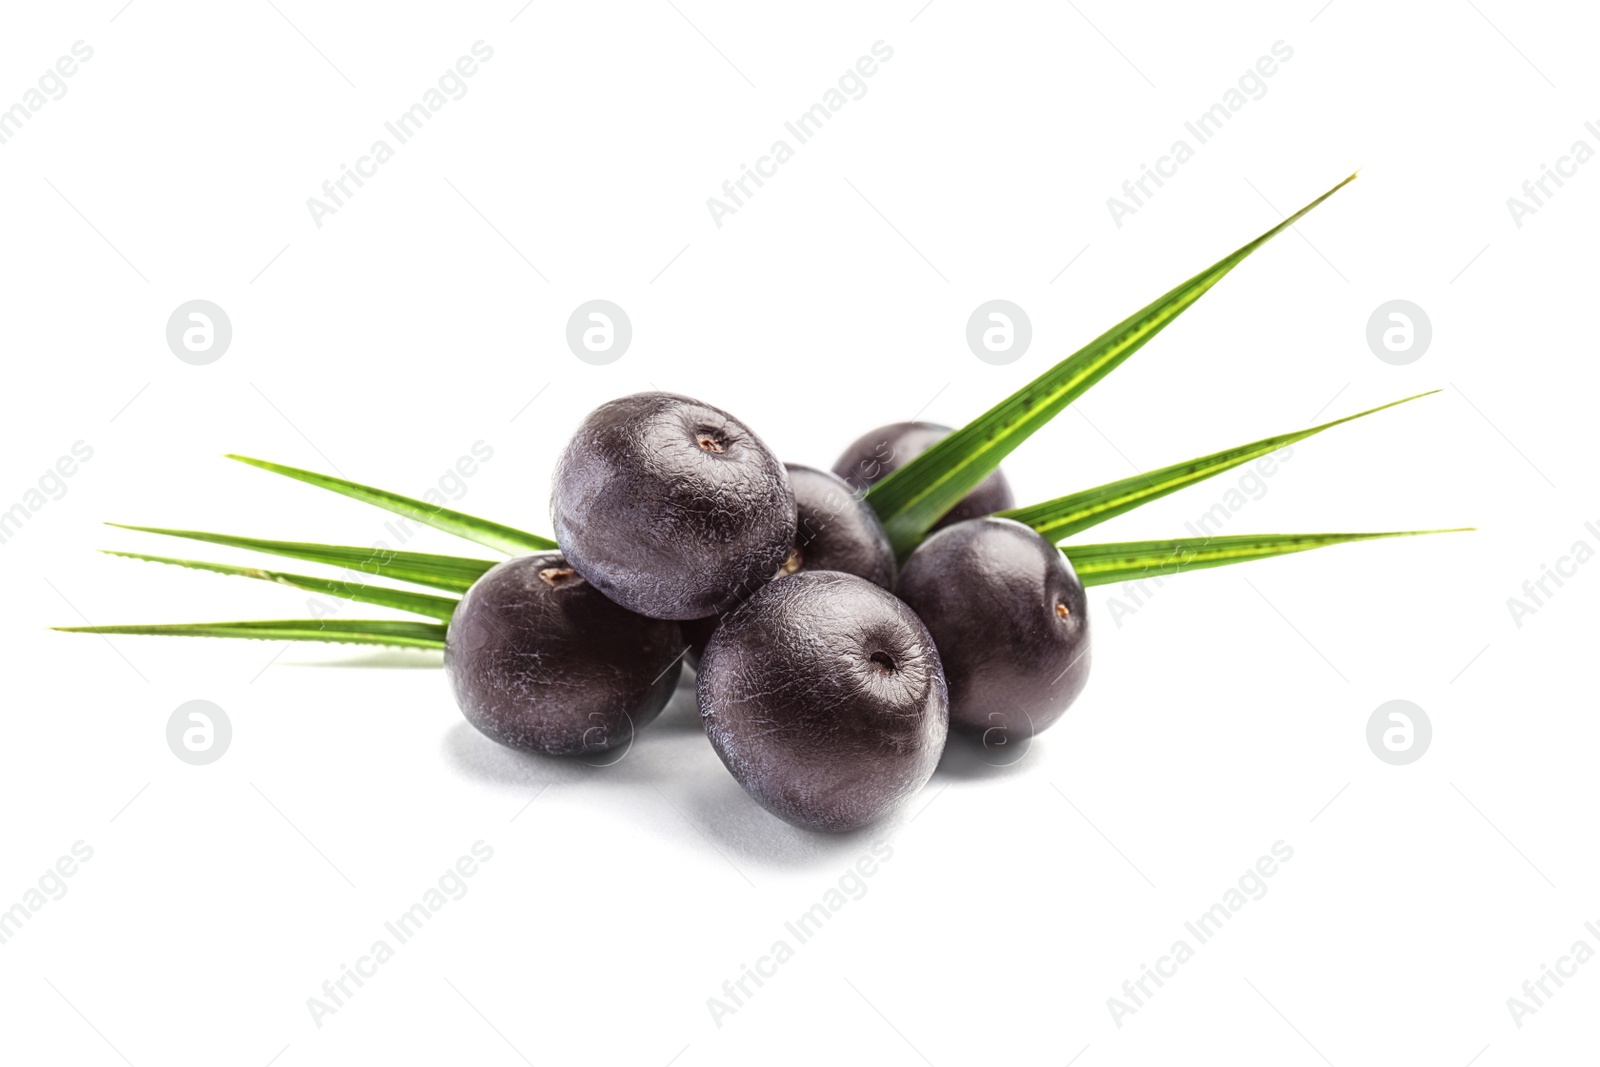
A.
x: 1067, y: 515
x: 434, y: 607
x: 1132, y: 560
x: 491, y: 534
x: 346, y: 632
x: 914, y: 497
x: 454, y: 573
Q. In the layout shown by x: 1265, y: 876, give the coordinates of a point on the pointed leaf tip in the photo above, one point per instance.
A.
x: 495, y: 535
x: 452, y: 573
x: 1064, y: 516
x: 438, y: 608
x: 1133, y: 561
x: 327, y: 631
x: 915, y: 496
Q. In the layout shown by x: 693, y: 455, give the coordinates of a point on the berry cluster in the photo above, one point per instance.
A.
x: 827, y: 695
x: 840, y: 624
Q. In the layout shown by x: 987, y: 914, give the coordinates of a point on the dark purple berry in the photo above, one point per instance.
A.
x: 671, y: 507
x: 837, y: 530
x: 540, y: 660
x: 875, y: 454
x: 823, y: 695
x: 1011, y: 622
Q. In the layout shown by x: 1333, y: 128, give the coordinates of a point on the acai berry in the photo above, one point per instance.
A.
x: 671, y: 507
x: 540, y: 660
x: 875, y: 454
x: 1011, y: 621
x: 824, y: 696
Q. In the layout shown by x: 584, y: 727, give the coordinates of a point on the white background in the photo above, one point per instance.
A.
x: 1226, y: 714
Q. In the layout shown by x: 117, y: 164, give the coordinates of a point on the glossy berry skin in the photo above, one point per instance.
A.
x: 836, y: 530
x: 824, y: 697
x: 539, y: 660
x: 875, y: 454
x: 671, y: 507
x: 1011, y: 622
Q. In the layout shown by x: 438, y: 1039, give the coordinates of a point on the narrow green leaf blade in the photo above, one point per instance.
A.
x: 1132, y: 560
x: 434, y: 607
x: 491, y: 534
x: 454, y: 573
x: 346, y: 632
x: 914, y: 497
x: 1067, y: 515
